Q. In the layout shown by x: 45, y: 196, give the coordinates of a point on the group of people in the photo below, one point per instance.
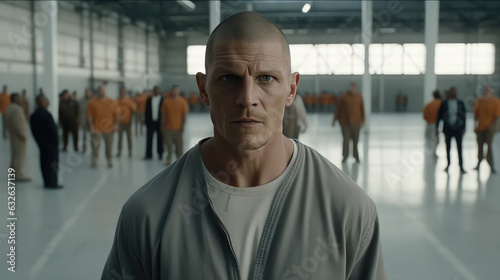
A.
x: 99, y: 118
x: 452, y: 112
x: 324, y: 102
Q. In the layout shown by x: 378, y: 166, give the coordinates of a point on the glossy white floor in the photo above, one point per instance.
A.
x: 434, y: 225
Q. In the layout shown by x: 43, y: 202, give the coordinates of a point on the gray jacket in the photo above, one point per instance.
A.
x: 321, y: 226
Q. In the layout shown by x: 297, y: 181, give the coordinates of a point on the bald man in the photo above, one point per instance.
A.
x: 248, y: 203
x: 46, y: 136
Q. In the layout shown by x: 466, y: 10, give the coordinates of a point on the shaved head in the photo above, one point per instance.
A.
x: 246, y: 27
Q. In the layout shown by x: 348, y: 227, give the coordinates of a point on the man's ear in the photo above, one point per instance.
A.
x: 201, y: 80
x: 294, y: 82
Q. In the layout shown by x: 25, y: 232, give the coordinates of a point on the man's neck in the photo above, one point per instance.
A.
x: 248, y: 168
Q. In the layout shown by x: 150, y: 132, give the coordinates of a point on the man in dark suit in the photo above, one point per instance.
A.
x: 452, y: 112
x: 153, y: 121
x: 44, y: 130
x: 68, y: 118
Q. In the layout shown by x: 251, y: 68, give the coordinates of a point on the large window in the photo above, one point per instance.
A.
x: 397, y: 59
x: 337, y: 59
x: 385, y: 59
x: 460, y: 59
x: 195, y: 59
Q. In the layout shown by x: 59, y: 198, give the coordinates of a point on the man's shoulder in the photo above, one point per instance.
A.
x: 14, y: 108
x: 320, y: 185
x: 329, y: 180
x: 159, y: 192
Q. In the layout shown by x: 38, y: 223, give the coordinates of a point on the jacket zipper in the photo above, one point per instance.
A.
x: 228, y: 239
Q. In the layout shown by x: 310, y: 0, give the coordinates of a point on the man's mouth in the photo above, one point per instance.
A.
x: 246, y: 122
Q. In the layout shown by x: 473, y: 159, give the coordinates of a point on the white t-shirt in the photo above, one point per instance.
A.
x: 155, y: 107
x: 243, y: 212
x: 452, y: 111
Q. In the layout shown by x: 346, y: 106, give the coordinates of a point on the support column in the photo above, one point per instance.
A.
x: 366, y: 36
x: 33, y: 54
x: 381, y: 95
x: 50, y: 62
x: 147, y: 49
x: 91, y: 45
x: 214, y: 14
x: 121, y: 47
x: 431, y: 39
x: 81, y: 39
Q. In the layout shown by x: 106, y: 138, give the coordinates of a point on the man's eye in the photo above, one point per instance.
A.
x: 266, y: 78
x: 229, y: 78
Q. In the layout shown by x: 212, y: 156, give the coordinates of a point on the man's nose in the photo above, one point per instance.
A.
x: 247, y: 95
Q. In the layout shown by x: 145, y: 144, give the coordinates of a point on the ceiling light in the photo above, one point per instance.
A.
x: 306, y: 8
x: 188, y: 5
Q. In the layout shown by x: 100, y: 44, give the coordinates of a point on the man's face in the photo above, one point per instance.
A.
x: 352, y: 87
x: 175, y: 91
x: 45, y: 102
x: 488, y: 91
x: 247, y: 86
x: 156, y: 90
x: 88, y: 94
x: 17, y: 99
x: 101, y: 91
x: 452, y: 94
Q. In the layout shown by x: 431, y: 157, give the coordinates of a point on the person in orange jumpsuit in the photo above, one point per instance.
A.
x: 174, y: 110
x: 430, y: 116
x: 126, y: 106
x: 4, y: 104
x: 102, y: 114
x: 351, y: 115
x: 486, y: 113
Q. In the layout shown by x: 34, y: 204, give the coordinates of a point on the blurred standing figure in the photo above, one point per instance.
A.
x: 452, y: 112
x: 174, y: 112
x: 18, y: 130
x: 193, y: 102
x: 295, y: 119
x: 4, y: 104
x: 25, y: 104
x: 140, y: 99
x: 308, y: 102
x: 430, y: 116
x: 84, y: 122
x: 74, y: 96
x: 127, y: 107
x: 405, y: 102
x: 103, y: 121
x: 350, y: 113
x: 153, y: 119
x: 45, y: 133
x: 68, y: 119
x: 399, y: 102
x: 485, y: 116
